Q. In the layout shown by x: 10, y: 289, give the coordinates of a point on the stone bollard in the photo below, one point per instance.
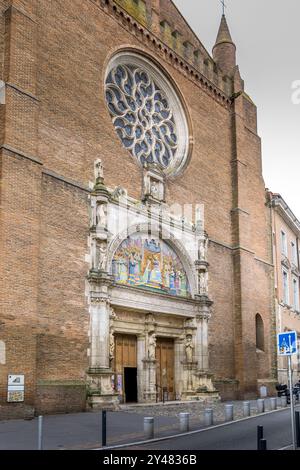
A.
x: 273, y: 402
x: 208, y: 417
x: 283, y: 401
x: 261, y: 405
x: 184, y: 422
x: 246, y: 408
x: 228, y: 412
x: 149, y: 428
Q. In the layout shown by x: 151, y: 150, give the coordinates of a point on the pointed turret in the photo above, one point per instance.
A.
x: 224, y: 51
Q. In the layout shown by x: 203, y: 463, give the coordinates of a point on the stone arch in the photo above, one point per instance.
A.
x: 259, y: 332
x: 176, y: 245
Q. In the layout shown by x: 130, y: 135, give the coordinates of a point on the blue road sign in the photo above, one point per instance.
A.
x: 287, y: 343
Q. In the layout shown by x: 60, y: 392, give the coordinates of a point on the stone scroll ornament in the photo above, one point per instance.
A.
x: 141, y: 115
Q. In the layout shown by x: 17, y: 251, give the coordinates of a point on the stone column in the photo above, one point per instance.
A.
x: 99, y: 334
x: 178, y: 369
x: 140, y: 367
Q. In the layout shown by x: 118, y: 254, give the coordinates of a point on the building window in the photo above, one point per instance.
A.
x: 296, y: 294
x: 284, y: 249
x: 285, y: 282
x: 146, y: 112
x: 294, y: 254
x: 259, y: 327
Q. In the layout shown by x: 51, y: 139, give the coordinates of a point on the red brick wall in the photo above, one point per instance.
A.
x: 45, y: 221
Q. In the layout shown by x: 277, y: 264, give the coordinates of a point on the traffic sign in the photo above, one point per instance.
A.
x: 287, y: 343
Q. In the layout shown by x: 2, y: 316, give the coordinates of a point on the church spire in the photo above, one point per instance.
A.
x: 224, y: 51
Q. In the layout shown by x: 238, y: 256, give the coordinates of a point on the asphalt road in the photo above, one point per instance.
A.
x: 236, y: 436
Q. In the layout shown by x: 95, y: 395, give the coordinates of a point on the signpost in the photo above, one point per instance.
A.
x: 287, y: 346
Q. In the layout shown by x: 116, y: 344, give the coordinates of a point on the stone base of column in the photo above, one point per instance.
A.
x: 149, y: 393
x: 199, y: 384
x: 100, y: 391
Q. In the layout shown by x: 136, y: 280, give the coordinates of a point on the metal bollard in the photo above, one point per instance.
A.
x: 184, y: 422
x: 40, y: 433
x: 283, y: 401
x: 246, y: 408
x: 278, y: 402
x: 228, y: 412
x: 149, y: 428
x: 208, y: 417
x: 261, y: 405
x: 273, y: 402
x: 260, y: 435
x: 103, y: 428
x: 263, y: 444
x: 297, y: 422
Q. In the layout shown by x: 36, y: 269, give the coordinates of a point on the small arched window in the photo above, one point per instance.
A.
x: 259, y: 328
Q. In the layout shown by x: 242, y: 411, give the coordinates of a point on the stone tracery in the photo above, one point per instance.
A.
x: 141, y: 115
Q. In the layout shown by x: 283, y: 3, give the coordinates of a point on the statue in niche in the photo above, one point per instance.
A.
x: 203, y: 245
x: 154, y: 189
x: 203, y: 281
x: 111, y: 344
x: 151, y: 345
x: 189, y: 346
x: 101, y: 217
x: 99, y: 169
x: 102, y: 256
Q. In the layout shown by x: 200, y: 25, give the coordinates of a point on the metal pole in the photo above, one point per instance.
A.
x: 40, y: 433
x: 260, y: 435
x: 292, y: 402
x: 298, y: 429
x: 103, y: 428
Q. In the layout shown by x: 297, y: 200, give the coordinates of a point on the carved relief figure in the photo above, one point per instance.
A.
x: 99, y: 169
x: 189, y: 346
x: 101, y: 217
x: 102, y: 256
x: 203, y: 245
x: 151, y: 345
x: 111, y: 344
x: 203, y: 281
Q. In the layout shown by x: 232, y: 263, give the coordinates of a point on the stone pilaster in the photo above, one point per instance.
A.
x: 100, y: 374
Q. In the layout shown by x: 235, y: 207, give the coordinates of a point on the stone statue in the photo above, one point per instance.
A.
x: 99, y: 169
x: 203, y: 281
x: 102, y: 256
x: 101, y: 217
x: 203, y: 245
x: 154, y: 189
x: 111, y: 344
x: 151, y: 346
x: 189, y: 346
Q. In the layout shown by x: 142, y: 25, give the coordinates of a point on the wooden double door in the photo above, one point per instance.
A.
x: 165, y: 369
x: 125, y: 366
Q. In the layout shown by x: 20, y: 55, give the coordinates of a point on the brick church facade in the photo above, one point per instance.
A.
x: 85, y: 312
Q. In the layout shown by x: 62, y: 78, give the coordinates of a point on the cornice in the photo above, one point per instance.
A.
x: 155, y: 44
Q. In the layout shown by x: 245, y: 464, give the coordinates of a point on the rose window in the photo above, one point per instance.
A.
x: 148, y: 120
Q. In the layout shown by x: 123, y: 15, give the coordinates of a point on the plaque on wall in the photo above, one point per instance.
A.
x: 15, y: 388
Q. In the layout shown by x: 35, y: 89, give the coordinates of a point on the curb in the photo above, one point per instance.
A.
x: 165, y: 438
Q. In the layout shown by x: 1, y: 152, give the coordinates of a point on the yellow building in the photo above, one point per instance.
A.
x: 286, y: 244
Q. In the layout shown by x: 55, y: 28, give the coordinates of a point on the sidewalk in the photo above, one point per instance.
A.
x: 83, y: 430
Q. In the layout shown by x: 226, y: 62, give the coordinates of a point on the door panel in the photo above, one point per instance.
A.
x: 165, y: 367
